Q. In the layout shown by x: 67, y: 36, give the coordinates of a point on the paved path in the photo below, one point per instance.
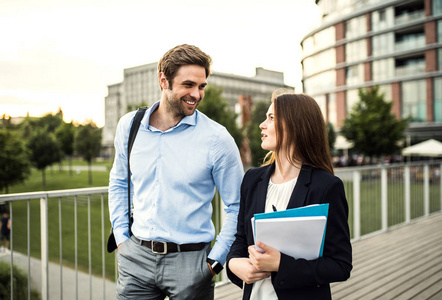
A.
x: 402, y: 263
x: 70, y: 290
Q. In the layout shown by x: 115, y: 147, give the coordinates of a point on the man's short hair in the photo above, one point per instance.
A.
x: 179, y: 56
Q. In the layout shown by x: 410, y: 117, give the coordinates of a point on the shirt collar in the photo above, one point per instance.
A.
x: 189, y: 120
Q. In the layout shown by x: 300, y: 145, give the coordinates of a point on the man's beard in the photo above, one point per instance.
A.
x: 177, y: 106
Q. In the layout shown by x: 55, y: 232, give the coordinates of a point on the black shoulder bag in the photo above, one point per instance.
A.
x: 111, y: 243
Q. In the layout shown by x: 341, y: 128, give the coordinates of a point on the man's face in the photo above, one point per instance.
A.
x: 187, y: 90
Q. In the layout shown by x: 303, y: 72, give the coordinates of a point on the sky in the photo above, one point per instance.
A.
x: 64, y: 53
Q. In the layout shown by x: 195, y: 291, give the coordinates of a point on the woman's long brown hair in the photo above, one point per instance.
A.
x: 299, y: 122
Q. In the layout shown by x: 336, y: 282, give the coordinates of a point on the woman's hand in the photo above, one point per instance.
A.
x: 244, y: 269
x: 267, y: 261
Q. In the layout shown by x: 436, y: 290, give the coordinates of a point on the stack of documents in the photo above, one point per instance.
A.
x: 297, y: 232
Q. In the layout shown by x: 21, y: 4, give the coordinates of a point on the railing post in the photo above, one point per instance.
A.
x: 384, y: 199
x: 426, y: 190
x: 89, y: 243
x: 222, y: 215
x: 44, y: 248
x: 356, y: 205
x: 103, y: 260
x: 407, y: 194
x: 440, y: 186
x: 11, y: 246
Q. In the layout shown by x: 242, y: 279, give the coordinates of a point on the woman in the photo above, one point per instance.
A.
x: 297, y: 172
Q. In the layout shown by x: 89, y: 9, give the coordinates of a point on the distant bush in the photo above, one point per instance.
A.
x: 20, y: 283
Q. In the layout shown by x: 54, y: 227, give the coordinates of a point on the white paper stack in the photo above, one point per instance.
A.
x: 299, y: 237
x: 298, y: 232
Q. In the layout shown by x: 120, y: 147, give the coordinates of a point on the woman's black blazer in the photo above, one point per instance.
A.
x: 298, y: 278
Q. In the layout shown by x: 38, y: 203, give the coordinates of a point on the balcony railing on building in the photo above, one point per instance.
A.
x: 70, y: 227
x: 409, y: 17
x: 410, y: 70
x: 410, y: 42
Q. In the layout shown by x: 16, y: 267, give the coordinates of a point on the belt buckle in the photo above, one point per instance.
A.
x: 164, y: 247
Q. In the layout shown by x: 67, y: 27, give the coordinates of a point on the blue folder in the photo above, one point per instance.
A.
x: 315, y: 210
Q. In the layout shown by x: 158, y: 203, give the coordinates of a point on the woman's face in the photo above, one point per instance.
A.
x: 268, y: 132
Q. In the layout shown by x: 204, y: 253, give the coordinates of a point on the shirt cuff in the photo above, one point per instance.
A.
x: 218, y: 254
x: 120, y: 235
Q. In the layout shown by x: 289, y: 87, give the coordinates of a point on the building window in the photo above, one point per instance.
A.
x: 438, y: 99
x: 355, y: 27
x: 356, y: 51
x: 354, y: 75
x: 382, y: 15
x: 319, y: 41
x: 414, y: 100
x: 439, y: 31
x: 320, y: 83
x: 410, y: 66
x: 439, y: 57
x: 410, y: 40
x: 437, y: 7
x: 386, y: 91
x: 383, y: 69
x: 322, y: 105
x: 332, y: 114
x: 409, y: 12
x: 351, y: 98
x: 382, y: 19
x: 382, y: 44
x: 319, y: 62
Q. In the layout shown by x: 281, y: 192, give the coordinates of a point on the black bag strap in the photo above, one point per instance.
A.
x: 133, y: 133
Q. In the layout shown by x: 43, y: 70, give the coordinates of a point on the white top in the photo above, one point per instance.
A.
x: 279, y: 196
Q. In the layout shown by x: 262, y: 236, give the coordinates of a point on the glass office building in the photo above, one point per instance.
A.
x: 396, y: 45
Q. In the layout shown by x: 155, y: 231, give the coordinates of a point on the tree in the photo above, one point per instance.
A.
x: 132, y: 107
x: 372, y: 127
x: 50, y: 121
x: 5, y: 122
x: 88, y: 144
x: 44, y: 150
x: 331, y: 137
x: 65, y: 134
x: 14, y: 160
x: 217, y: 109
x: 253, y: 132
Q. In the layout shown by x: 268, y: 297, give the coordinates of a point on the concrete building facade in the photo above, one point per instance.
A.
x: 394, y: 44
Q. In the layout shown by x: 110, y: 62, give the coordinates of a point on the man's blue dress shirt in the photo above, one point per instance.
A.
x: 174, y: 175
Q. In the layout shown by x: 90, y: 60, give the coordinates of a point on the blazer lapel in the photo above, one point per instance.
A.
x: 262, y: 187
x: 299, y: 194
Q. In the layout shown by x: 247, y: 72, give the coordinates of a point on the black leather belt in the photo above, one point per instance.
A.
x: 166, y: 247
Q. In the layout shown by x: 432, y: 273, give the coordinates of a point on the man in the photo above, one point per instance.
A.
x: 178, y: 158
x: 5, y: 230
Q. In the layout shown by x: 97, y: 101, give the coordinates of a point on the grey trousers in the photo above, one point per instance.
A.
x: 179, y: 275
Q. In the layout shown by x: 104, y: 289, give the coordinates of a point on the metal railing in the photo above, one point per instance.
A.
x: 52, y: 223
x: 385, y: 196
x: 379, y: 197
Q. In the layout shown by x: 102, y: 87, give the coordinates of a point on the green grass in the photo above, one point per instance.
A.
x: 20, y: 283
x: 81, y: 162
x: 59, y: 180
